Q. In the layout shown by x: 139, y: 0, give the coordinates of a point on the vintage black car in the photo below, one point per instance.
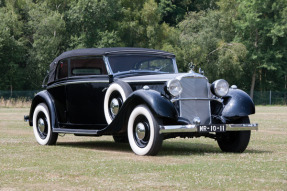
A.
x: 137, y: 96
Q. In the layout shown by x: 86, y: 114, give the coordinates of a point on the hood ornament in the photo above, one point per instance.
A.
x: 191, y: 66
x: 201, y: 71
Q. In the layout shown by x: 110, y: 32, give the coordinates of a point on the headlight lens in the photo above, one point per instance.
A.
x: 174, y: 87
x: 220, y: 88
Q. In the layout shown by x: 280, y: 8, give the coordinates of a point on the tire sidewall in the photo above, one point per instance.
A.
x: 41, y: 108
x: 113, y: 87
x: 141, y: 110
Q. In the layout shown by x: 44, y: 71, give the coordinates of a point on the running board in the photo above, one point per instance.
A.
x: 76, y: 131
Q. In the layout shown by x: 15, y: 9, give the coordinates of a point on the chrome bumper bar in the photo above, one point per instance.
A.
x: 194, y: 128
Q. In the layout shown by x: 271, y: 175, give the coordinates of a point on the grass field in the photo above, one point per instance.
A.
x: 97, y: 163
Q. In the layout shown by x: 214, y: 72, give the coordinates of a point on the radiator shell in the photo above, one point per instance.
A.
x: 195, y: 88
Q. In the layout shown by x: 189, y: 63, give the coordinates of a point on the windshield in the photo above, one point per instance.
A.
x: 140, y: 63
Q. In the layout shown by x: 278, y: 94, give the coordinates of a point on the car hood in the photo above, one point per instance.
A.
x: 160, y: 77
x: 151, y: 78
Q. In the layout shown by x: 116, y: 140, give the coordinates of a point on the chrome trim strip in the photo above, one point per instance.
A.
x: 193, y: 128
x: 186, y: 99
x: 191, y: 75
x: 130, y: 81
x: 242, y: 127
x: 143, y: 52
x: 177, y: 129
x: 108, y: 66
x: 174, y: 65
x: 76, y: 131
x: 77, y: 82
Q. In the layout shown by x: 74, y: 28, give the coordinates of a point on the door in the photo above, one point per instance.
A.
x: 58, y: 91
x: 85, y: 95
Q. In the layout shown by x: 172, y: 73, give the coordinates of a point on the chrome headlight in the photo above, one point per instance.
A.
x: 174, y: 87
x: 219, y: 88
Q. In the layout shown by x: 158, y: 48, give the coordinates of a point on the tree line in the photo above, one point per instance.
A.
x: 242, y: 41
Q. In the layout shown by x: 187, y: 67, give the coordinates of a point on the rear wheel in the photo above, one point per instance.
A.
x: 42, y: 126
x: 143, y: 132
x: 234, y: 141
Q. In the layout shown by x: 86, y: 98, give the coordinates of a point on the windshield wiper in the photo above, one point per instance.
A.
x: 159, y: 69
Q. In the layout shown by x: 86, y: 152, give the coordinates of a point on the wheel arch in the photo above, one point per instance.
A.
x: 160, y: 106
x: 122, y: 88
x: 43, y: 97
x: 237, y: 103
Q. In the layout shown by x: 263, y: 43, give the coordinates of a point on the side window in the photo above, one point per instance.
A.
x: 88, y: 66
x: 62, y: 69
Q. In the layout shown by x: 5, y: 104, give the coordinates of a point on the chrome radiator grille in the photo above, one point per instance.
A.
x: 195, y: 88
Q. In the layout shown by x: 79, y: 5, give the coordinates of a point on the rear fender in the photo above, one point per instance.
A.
x: 44, y: 97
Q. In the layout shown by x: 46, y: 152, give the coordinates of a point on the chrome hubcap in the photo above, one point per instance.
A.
x: 140, y: 131
x: 41, y: 124
x: 114, y: 106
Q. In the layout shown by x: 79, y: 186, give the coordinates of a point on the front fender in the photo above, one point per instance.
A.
x: 160, y: 106
x: 43, y: 97
x: 237, y: 103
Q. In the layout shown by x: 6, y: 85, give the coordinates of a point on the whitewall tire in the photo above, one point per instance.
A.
x: 116, y: 95
x: 42, y: 126
x: 143, y: 132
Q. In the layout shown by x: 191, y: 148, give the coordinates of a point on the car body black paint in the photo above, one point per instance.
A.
x: 237, y: 104
x: 44, y: 97
x: 77, y: 102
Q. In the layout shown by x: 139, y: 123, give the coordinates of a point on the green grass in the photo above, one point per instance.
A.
x: 97, y: 163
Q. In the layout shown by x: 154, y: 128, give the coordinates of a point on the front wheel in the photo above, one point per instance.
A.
x: 143, y: 132
x: 234, y: 141
x: 42, y: 126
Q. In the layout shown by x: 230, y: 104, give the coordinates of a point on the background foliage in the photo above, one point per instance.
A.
x: 243, y: 41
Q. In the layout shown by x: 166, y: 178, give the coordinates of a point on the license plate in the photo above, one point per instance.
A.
x: 211, y: 128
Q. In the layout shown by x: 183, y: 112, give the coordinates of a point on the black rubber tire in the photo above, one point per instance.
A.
x: 48, y: 137
x: 234, y: 141
x: 121, y: 138
x: 152, y: 140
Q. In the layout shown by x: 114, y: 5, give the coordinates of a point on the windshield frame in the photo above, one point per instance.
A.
x: 110, y: 71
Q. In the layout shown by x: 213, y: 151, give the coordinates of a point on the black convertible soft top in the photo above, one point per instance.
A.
x: 101, y: 52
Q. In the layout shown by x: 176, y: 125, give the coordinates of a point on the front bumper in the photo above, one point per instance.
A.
x: 194, y: 128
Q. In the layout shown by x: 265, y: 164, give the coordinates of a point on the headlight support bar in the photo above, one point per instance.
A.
x: 194, y: 98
